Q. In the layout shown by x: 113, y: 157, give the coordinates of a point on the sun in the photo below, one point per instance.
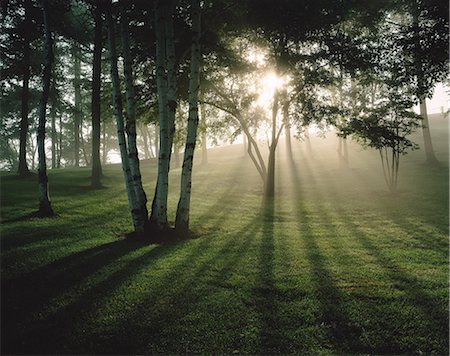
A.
x: 270, y: 81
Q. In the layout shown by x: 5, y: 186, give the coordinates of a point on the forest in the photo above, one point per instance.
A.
x: 222, y: 177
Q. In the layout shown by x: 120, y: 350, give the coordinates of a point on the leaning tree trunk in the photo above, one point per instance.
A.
x: 45, y: 208
x: 138, y: 219
x: 429, y: 151
x: 95, y: 102
x: 182, y: 218
x: 77, y: 111
x: 23, y: 167
x: 158, y: 216
x: 131, y: 115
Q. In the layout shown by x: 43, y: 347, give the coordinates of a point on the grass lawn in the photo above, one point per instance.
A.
x: 336, y: 265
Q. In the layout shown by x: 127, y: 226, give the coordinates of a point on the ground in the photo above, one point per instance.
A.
x: 336, y: 265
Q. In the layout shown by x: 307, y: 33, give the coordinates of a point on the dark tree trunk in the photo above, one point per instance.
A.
x: 95, y: 102
x: 53, y: 128
x: 77, y: 112
x: 270, y: 181
x: 104, y: 145
x: 204, y: 138
x: 23, y: 167
x: 45, y: 208
x: 60, y: 142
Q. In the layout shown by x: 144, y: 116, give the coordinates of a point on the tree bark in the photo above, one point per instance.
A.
x: 182, y: 218
x: 156, y: 141
x: 60, y: 142
x: 158, y: 216
x: 45, y: 208
x: 204, y: 139
x: 287, y: 129
x: 23, y: 167
x: 95, y: 101
x: 131, y: 115
x: 270, y: 181
x: 53, y: 126
x: 77, y: 112
x: 137, y: 218
x: 104, y: 145
x: 428, y: 144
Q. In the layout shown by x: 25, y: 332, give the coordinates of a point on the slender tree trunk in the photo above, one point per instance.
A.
x: 45, y: 208
x: 95, y: 102
x: 245, y: 144
x: 23, y: 167
x: 104, y: 145
x: 136, y: 214
x: 204, y: 139
x: 77, y: 112
x: 287, y: 129
x: 270, y: 181
x: 158, y: 216
x: 182, y: 218
x: 131, y: 115
x: 345, y: 155
x: 429, y: 151
x: 176, y: 155
x: 145, y: 140
x: 53, y: 128
x: 156, y: 141
x: 83, y: 146
x: 60, y: 142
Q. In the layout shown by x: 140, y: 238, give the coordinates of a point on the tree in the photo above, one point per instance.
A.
x: 96, y: 96
x: 23, y: 167
x: 131, y: 116
x: 167, y: 104
x: 385, y: 127
x: 182, y: 217
x: 45, y: 208
x: 136, y: 213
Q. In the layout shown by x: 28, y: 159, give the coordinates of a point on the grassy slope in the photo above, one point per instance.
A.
x: 337, y: 266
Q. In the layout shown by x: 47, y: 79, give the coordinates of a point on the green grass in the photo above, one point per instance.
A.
x: 336, y: 265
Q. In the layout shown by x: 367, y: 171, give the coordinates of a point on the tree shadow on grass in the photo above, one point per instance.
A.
x: 428, y: 310
x: 26, y: 328
x: 341, y: 332
x: 159, y: 314
x: 271, y: 336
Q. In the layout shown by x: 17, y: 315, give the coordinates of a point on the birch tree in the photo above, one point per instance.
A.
x: 166, y: 88
x: 182, y: 217
x: 136, y: 213
x: 131, y: 115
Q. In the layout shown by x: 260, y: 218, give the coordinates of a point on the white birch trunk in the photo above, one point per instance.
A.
x: 138, y: 220
x: 429, y: 151
x: 158, y: 216
x: 182, y: 218
x: 131, y: 115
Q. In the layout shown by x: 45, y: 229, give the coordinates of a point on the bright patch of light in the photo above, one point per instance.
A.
x: 267, y: 85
